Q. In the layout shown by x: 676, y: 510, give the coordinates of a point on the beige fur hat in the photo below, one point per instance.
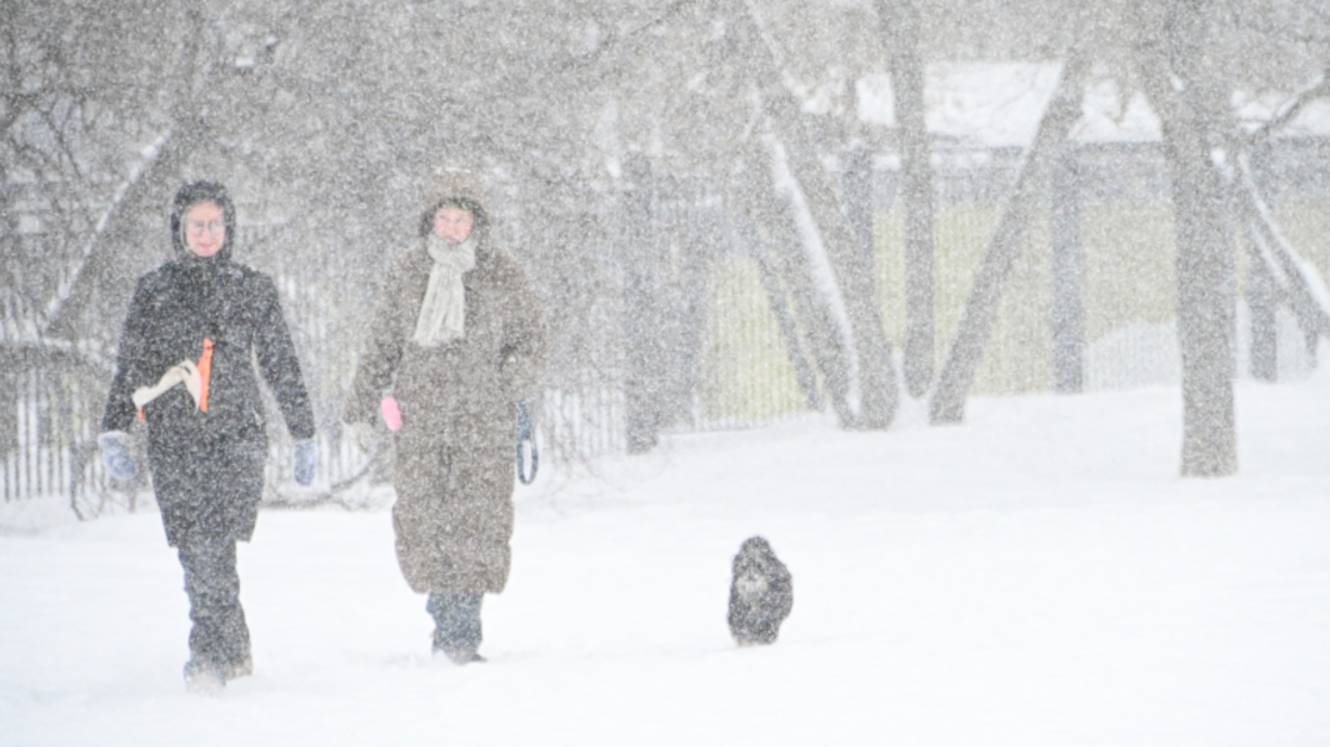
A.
x: 459, y: 188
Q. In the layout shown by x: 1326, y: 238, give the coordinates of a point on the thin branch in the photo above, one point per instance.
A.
x: 61, y: 141
x: 631, y: 38
x: 1261, y: 26
x: 1301, y: 284
x: 967, y: 346
x: 1290, y: 110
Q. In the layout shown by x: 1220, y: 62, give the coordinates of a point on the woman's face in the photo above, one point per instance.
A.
x: 453, y: 224
x: 205, y: 229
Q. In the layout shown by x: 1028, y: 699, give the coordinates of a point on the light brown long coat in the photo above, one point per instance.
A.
x: 454, y: 468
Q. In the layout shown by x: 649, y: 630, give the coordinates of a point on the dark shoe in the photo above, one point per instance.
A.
x: 460, y: 656
x: 204, y: 676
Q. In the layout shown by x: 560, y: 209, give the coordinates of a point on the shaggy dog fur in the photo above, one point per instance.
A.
x: 761, y: 593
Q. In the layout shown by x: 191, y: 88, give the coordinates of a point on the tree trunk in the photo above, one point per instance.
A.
x: 1205, y: 257
x: 1068, y: 273
x: 643, y: 279
x: 778, y: 242
x: 948, y: 404
x: 1205, y: 313
x: 900, y: 32
x: 1262, y: 303
x: 1297, y: 279
x: 853, y: 267
x: 778, y: 299
x: 690, y: 310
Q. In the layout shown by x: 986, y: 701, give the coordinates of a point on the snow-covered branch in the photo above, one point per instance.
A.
x: 150, y: 155
x: 812, y: 244
x: 1290, y: 110
x: 1297, y: 278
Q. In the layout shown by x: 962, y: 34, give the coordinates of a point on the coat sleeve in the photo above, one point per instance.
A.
x: 522, y: 358
x: 279, y: 365
x: 130, y: 361
x: 380, y: 356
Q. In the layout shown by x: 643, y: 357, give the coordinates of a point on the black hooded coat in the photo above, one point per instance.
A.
x: 207, y: 467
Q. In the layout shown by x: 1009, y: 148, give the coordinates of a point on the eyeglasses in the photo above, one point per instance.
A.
x: 212, y: 226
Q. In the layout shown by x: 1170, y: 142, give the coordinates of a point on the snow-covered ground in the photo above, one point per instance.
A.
x: 1037, y: 576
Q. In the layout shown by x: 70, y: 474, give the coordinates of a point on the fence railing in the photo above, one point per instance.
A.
x: 741, y: 374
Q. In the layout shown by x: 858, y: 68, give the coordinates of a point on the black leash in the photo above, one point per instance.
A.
x: 526, y: 434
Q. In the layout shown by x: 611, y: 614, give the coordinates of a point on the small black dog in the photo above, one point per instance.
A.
x: 761, y: 593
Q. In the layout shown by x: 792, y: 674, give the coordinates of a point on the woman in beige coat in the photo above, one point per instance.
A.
x: 455, y: 343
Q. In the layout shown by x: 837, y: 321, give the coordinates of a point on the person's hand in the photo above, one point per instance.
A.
x: 119, y: 463
x: 391, y: 413
x: 306, y: 458
x: 363, y: 436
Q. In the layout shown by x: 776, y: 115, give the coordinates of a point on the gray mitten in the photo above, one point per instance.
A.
x: 119, y: 462
x: 306, y: 461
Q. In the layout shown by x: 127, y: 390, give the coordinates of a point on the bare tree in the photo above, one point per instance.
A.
x: 1064, y: 108
x: 852, y: 263
x: 900, y: 25
x: 1179, y: 63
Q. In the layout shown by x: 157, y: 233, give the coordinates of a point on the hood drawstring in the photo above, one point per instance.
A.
x: 526, y: 436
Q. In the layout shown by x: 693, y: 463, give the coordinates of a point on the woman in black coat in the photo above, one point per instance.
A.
x: 185, y: 366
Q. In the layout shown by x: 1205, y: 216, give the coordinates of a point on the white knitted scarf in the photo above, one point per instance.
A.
x: 443, y: 313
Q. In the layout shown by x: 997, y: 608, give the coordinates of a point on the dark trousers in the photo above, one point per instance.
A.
x: 219, y: 639
x: 456, y: 620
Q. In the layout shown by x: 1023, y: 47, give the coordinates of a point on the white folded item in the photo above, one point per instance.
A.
x: 184, y: 372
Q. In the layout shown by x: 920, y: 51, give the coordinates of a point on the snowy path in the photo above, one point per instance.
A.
x: 1038, y: 576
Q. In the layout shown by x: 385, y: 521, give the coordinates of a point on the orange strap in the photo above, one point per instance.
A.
x: 205, y: 373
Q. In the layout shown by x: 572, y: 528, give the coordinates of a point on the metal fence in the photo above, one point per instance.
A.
x: 674, y: 246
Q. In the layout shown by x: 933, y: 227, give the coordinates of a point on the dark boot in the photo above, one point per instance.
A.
x: 457, y: 628
x: 219, y: 638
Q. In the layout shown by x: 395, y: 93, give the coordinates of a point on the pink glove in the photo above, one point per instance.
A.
x: 391, y: 413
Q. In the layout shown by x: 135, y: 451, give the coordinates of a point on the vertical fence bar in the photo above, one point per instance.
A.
x: 29, y: 435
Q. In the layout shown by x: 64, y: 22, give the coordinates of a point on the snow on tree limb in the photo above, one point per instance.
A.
x: 1290, y: 110
x: 967, y: 347
x: 786, y: 184
x: 1296, y: 277
x: 150, y: 154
